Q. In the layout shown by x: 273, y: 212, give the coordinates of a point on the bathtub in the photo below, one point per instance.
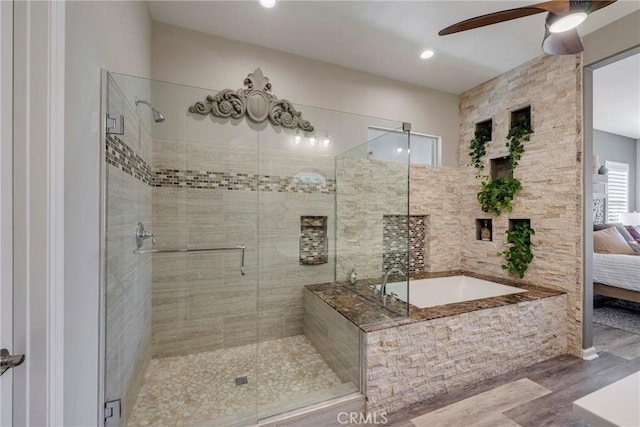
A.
x: 425, y: 293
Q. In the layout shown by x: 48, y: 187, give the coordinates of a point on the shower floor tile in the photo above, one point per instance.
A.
x: 201, y: 388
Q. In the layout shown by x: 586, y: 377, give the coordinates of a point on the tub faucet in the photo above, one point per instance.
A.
x: 383, y: 288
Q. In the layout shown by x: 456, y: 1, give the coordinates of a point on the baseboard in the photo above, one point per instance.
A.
x: 589, y: 353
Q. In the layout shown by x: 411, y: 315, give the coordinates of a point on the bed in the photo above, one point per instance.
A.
x: 617, y: 276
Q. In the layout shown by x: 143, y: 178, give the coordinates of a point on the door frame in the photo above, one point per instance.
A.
x: 589, y: 352
x: 6, y: 204
x: 38, y: 211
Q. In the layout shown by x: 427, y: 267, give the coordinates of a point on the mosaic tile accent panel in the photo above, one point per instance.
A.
x: 124, y: 158
x: 394, y: 242
x: 314, y: 247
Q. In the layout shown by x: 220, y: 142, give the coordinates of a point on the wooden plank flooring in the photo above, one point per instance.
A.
x: 567, y: 378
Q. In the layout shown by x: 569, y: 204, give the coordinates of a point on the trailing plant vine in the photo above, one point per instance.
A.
x: 519, y: 255
x: 520, y: 131
x: 478, y: 149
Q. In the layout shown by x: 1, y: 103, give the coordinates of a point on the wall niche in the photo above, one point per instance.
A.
x: 484, y: 229
x: 513, y: 222
x: 314, y: 247
x: 501, y: 168
x: 485, y: 128
x: 522, y: 115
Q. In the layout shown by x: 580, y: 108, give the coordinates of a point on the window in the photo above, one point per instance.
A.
x: 617, y: 189
x: 391, y: 146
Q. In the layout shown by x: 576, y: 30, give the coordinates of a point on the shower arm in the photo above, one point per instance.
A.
x: 241, y: 248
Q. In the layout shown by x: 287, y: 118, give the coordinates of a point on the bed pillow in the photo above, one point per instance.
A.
x: 621, y: 229
x: 635, y: 246
x: 610, y: 241
x: 633, y: 231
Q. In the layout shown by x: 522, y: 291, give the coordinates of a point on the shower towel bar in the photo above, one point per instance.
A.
x: 169, y: 251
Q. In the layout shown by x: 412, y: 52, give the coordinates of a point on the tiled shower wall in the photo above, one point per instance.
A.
x: 128, y: 276
x: 217, y: 194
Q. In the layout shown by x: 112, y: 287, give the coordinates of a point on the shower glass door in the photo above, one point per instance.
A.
x: 194, y: 356
x: 214, y: 227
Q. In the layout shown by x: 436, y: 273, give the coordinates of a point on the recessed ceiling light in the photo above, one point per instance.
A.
x: 268, y: 3
x: 427, y: 54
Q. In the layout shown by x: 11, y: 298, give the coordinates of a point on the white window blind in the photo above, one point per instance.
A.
x: 617, y: 189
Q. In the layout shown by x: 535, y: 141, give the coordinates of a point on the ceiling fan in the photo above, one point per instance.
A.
x: 561, y: 36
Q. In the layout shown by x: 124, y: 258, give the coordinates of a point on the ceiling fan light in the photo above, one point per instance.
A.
x: 560, y: 24
x: 268, y: 3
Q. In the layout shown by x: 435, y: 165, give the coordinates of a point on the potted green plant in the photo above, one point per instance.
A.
x: 519, y: 255
x: 497, y: 195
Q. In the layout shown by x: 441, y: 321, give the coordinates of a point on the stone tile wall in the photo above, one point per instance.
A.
x: 128, y: 276
x: 413, y: 362
x: 436, y: 195
x: 367, y: 190
x: 550, y: 171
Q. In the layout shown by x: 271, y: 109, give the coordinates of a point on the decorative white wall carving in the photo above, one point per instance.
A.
x: 256, y: 102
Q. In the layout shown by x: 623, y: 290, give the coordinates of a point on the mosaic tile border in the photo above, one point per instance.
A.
x: 394, y: 242
x: 123, y: 157
x: 239, y: 181
x: 120, y: 155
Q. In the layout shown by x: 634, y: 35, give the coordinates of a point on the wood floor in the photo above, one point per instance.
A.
x: 541, y: 395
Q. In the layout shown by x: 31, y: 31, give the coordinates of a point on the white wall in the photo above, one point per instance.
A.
x: 193, y: 58
x: 115, y: 36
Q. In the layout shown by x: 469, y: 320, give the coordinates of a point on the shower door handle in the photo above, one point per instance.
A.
x: 7, y: 361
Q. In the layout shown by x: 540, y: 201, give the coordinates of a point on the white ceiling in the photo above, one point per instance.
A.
x: 387, y: 37
x: 616, y: 97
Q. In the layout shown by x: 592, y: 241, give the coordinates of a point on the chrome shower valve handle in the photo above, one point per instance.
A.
x: 142, y: 235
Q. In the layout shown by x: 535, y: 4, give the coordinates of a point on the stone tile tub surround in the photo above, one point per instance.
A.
x: 440, y: 349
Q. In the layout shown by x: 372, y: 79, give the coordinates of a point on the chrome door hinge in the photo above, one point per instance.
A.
x: 115, y: 124
x: 112, y: 410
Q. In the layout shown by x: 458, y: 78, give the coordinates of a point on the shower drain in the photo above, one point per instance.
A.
x: 241, y: 380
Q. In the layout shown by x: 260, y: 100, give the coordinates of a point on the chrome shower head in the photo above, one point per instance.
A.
x: 158, y: 117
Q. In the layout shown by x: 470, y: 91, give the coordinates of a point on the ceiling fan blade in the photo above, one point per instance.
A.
x: 491, y: 18
x: 556, y: 7
x: 565, y: 43
x: 566, y: 6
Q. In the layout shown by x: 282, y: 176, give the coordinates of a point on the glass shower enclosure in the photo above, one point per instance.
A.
x: 213, y: 228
